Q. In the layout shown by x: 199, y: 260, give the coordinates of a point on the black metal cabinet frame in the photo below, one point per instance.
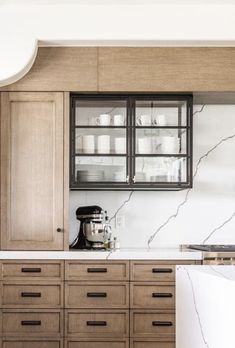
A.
x: 131, y: 129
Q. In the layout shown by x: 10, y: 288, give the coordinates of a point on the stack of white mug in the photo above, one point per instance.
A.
x: 108, y: 120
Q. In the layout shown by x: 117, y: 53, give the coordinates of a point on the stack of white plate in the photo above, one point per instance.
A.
x: 119, y: 176
x: 90, y: 175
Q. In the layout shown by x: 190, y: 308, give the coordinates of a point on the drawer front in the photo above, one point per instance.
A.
x: 96, y: 343
x: 83, y: 295
x: 78, y: 270
x: 152, y: 324
x: 151, y: 344
x: 97, y: 324
x: 46, y: 295
x: 149, y: 295
x: 32, y: 323
x: 32, y: 270
x: 150, y: 271
x: 37, y: 343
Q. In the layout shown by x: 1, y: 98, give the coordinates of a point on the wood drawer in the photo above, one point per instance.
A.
x: 152, y: 295
x: 33, y: 295
x: 101, y: 324
x: 152, y: 271
x: 50, y: 270
x: 99, y: 295
x: 32, y: 343
x: 32, y: 323
x: 151, y: 343
x: 95, y: 343
x: 99, y: 270
x: 152, y: 323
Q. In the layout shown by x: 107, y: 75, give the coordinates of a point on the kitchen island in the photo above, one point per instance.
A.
x: 205, y: 306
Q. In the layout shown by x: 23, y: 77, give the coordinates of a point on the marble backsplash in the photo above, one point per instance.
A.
x: 205, y: 213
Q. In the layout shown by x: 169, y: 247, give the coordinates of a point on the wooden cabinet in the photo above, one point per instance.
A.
x: 32, y: 167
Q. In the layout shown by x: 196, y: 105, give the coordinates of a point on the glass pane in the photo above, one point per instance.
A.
x: 100, y: 113
x: 161, y: 113
x: 100, y: 169
x: 104, y: 141
x: 161, y: 169
x: 160, y: 141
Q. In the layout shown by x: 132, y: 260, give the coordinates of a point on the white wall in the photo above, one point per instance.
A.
x: 210, y: 203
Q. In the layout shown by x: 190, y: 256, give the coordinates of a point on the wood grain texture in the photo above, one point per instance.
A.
x: 95, y: 343
x: 166, y: 69
x: 51, y: 323
x: 151, y: 343
x: 89, y: 270
x: 31, y: 343
x: 66, y: 168
x: 32, y: 269
x: 117, y: 323
x: 51, y: 294
x: 116, y: 295
x: 32, y: 167
x: 60, y: 69
x: 141, y: 295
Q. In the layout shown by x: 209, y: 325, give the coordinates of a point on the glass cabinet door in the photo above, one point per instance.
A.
x: 99, y: 146
x: 162, y: 138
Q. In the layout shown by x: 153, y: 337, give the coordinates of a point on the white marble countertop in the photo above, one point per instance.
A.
x: 121, y: 254
x: 205, y: 306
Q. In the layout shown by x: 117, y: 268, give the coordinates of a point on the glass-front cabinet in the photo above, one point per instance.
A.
x: 131, y: 141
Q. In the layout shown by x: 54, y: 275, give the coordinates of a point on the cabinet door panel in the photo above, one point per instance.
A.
x: 32, y: 170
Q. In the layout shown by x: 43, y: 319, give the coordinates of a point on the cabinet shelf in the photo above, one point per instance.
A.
x: 149, y: 155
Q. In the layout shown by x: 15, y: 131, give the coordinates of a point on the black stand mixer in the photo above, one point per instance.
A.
x: 94, y: 228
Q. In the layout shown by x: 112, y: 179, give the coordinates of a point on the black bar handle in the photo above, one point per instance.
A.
x: 96, y: 323
x: 161, y: 294
x: 31, y: 294
x: 162, y: 323
x: 31, y: 322
x: 97, y: 270
x: 31, y: 270
x: 96, y: 294
x: 162, y: 270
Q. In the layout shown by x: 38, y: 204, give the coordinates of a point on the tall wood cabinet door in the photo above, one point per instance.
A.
x: 32, y: 171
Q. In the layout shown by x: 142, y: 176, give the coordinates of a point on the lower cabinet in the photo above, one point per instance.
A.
x: 64, y: 304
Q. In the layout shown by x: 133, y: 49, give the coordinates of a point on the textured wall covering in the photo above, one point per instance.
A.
x: 172, y: 218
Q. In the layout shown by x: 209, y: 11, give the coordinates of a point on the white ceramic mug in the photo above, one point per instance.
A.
x: 88, y: 143
x: 170, y: 145
x: 118, y: 120
x: 103, y: 143
x: 103, y: 120
x: 120, y: 145
x: 144, y: 145
x: 159, y: 120
x: 144, y: 120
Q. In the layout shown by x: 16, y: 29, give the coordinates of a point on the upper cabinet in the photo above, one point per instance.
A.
x: 131, y: 141
x: 32, y: 165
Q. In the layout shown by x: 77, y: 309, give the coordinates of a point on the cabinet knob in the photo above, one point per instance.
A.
x: 59, y: 229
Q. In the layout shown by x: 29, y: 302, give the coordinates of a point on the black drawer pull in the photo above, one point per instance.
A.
x: 96, y: 294
x: 31, y: 294
x: 96, y: 323
x: 162, y: 323
x: 97, y: 270
x: 30, y: 270
x: 161, y: 294
x: 31, y: 322
x: 162, y: 270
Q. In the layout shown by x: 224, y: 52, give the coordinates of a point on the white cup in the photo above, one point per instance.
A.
x: 103, y: 120
x: 88, y: 143
x: 144, y: 120
x: 120, y: 145
x: 103, y: 144
x: 170, y: 145
x: 160, y: 121
x: 118, y: 120
x: 144, y: 145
